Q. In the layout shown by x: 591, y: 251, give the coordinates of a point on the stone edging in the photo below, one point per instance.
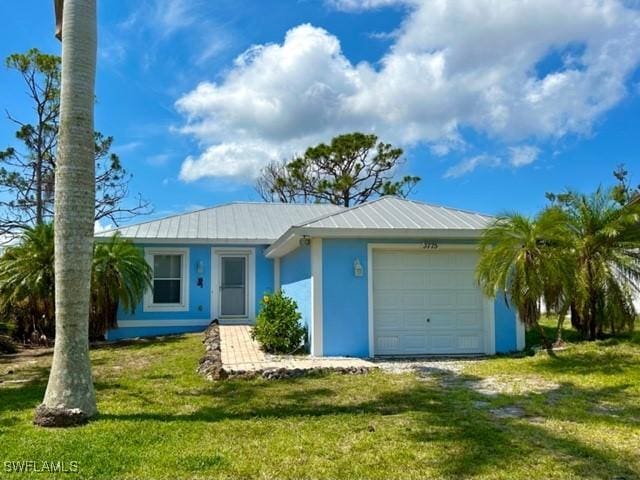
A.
x: 282, y: 373
x: 211, y: 364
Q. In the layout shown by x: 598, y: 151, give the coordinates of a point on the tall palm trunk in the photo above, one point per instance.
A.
x: 70, y: 397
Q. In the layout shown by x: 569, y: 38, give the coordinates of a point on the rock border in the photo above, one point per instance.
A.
x: 284, y: 373
x: 210, y: 365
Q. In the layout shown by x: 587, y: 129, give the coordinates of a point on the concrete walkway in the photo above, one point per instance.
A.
x: 242, y: 354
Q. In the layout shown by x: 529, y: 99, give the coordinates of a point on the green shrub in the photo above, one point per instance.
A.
x: 278, y: 328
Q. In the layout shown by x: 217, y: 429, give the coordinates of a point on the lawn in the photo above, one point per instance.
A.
x: 578, y: 415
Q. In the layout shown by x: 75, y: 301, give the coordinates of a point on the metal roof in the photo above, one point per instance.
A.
x: 396, y: 213
x: 386, y: 217
x: 282, y: 224
x: 233, y: 222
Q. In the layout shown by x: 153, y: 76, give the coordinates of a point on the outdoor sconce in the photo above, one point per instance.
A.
x: 357, y: 268
x: 200, y: 270
x: 305, y: 240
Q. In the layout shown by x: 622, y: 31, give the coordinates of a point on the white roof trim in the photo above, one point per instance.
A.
x: 291, y: 239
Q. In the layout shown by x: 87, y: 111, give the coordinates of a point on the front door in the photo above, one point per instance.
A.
x: 233, y: 286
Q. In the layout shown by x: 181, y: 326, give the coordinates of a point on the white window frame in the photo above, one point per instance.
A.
x: 183, y: 306
x: 250, y: 279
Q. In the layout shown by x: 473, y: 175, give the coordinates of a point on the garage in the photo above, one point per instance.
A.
x: 426, y: 302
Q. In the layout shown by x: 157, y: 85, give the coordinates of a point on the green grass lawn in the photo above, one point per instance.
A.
x: 159, y: 419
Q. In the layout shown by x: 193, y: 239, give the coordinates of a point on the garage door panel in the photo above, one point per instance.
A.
x: 441, y: 299
x: 414, y: 320
x: 413, y: 300
x: 414, y: 280
x: 409, y: 287
x: 414, y: 344
x: 388, y: 279
x: 468, y: 298
x: 401, y: 344
x: 442, y: 343
x: 388, y: 320
x: 469, y: 319
x: 388, y: 299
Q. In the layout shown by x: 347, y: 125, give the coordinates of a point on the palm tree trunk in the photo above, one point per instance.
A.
x: 70, y: 397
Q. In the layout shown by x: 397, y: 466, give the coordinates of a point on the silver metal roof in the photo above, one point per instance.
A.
x: 241, y: 222
x: 280, y: 224
x: 396, y: 213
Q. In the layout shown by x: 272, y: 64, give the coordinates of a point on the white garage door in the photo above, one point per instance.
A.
x: 426, y: 302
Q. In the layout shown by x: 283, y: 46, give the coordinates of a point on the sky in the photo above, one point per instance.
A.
x: 495, y: 102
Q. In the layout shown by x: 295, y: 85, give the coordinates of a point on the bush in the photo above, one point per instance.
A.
x: 278, y: 328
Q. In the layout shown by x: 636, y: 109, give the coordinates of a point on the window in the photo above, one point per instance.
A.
x: 170, y: 280
x: 167, y: 277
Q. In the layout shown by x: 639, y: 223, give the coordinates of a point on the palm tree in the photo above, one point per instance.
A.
x: 27, y: 282
x: 519, y: 259
x: 605, y: 237
x: 70, y: 396
x: 120, y: 277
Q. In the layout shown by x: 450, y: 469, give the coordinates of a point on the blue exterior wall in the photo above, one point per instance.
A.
x: 295, y: 280
x: 264, y: 275
x: 346, y: 301
x: 345, y: 296
x: 505, y: 325
x: 199, y: 297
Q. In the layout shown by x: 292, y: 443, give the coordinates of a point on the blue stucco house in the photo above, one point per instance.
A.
x: 388, y: 277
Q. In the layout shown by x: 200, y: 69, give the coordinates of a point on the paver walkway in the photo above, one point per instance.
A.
x: 240, y: 353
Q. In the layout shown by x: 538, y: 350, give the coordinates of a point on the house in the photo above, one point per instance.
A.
x: 388, y: 277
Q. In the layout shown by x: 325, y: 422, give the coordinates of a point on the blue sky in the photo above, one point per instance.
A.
x: 495, y: 103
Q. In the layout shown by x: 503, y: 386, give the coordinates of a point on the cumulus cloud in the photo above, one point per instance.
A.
x: 226, y: 160
x: 469, y: 64
x: 523, y: 155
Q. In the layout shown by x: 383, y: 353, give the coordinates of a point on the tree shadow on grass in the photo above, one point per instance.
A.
x: 440, y: 415
x: 608, y: 362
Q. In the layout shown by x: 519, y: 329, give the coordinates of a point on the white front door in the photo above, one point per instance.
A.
x: 427, y: 302
x: 233, y: 284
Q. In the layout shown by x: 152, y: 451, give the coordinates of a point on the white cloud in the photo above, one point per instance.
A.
x: 128, y: 147
x: 159, y: 160
x: 468, y: 64
x: 356, y: 5
x: 226, y: 160
x: 523, y: 155
x: 470, y: 164
x: 102, y: 226
x: 157, y: 22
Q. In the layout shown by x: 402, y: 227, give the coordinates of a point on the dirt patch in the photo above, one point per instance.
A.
x: 509, y: 385
x: 606, y: 408
x: 425, y: 366
x: 510, y: 411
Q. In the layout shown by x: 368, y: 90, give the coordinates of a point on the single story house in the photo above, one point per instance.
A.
x: 387, y: 277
